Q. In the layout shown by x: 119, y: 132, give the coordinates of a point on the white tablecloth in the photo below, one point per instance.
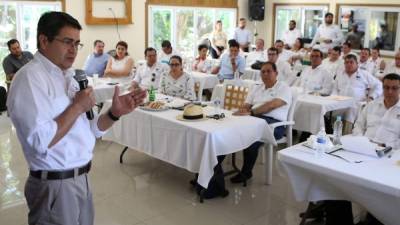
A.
x: 373, y: 184
x: 251, y: 74
x: 104, y: 87
x: 310, y: 111
x: 190, y: 145
x: 207, y: 81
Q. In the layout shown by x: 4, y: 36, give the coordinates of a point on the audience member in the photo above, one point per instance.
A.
x: 231, y: 62
x: 96, y: 62
x: 201, y: 63
x: 394, y: 66
x: 218, y: 40
x: 243, y: 36
x: 333, y: 64
x: 285, y: 73
x: 355, y: 37
x: 290, y: 36
x: 328, y: 35
x: 15, y: 60
x: 121, y: 64
x: 176, y: 82
x: 167, y: 51
x: 284, y: 54
x: 346, y: 50
x: 379, y: 63
x: 316, y: 78
x: 148, y: 75
x: 257, y: 55
x: 365, y: 63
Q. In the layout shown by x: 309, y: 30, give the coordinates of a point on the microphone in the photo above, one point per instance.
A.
x: 80, y: 76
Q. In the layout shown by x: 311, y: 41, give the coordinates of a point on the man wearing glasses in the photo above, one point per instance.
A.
x: 286, y: 74
x: 148, y: 75
x: 48, y: 112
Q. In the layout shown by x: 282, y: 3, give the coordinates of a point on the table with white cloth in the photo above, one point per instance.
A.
x: 104, y: 87
x: 310, y: 110
x: 205, y: 80
x: 373, y: 184
x: 192, y: 145
x: 251, y: 74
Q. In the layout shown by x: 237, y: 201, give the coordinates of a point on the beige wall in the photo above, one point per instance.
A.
x: 134, y: 34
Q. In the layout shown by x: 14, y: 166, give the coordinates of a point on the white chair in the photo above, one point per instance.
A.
x: 268, y: 148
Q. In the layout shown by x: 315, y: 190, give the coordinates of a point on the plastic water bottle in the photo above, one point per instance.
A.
x: 217, y: 106
x: 337, y: 130
x: 320, y: 143
x: 236, y: 75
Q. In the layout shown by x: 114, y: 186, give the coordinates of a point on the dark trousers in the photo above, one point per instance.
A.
x: 250, y: 154
x: 214, y: 53
x: 338, y: 212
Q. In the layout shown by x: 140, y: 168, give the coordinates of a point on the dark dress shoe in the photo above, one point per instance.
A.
x: 240, y: 178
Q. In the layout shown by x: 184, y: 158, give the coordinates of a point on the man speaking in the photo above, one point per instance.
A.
x: 48, y: 110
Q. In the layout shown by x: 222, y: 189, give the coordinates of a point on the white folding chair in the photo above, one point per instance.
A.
x: 268, y: 148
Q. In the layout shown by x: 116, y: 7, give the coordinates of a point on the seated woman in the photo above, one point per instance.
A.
x: 176, y: 82
x: 201, y: 63
x: 298, y: 52
x: 121, y: 64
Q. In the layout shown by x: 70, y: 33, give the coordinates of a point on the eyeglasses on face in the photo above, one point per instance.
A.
x: 393, y: 88
x: 70, y: 42
x: 174, y: 64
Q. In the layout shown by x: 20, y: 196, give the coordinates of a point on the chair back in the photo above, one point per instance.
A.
x: 197, y: 90
x: 235, y: 96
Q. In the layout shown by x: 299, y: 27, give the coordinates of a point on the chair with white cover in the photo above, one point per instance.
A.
x: 268, y: 148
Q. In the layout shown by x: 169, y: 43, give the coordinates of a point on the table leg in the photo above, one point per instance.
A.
x: 122, y: 155
x: 268, y: 166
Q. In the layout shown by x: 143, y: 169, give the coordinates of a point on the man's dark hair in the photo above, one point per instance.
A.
x: 279, y: 41
x: 273, y: 65
x: 337, y: 49
x: 176, y: 57
x: 218, y: 21
x: 328, y: 14
x: 273, y: 49
x: 200, y: 47
x: 11, y: 42
x: 366, y: 49
x: 351, y: 57
x: 391, y: 76
x: 293, y: 21
x: 348, y: 44
x: 241, y: 19
x: 233, y: 43
x: 149, y: 49
x: 97, y: 41
x: 319, y: 51
x: 50, y: 24
x: 301, y: 42
x: 166, y: 44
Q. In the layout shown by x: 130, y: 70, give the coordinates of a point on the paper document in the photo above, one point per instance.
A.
x: 359, y: 144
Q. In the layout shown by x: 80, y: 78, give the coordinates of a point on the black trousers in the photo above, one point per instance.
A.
x: 338, y: 212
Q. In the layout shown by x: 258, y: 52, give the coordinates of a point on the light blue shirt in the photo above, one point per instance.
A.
x: 96, y: 64
x: 226, y: 71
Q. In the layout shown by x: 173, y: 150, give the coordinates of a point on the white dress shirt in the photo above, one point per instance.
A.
x: 391, y: 68
x: 334, y: 68
x: 368, y: 66
x: 183, y: 87
x: 290, y: 36
x: 285, y: 72
x: 358, y: 85
x: 40, y: 92
x: 260, y: 95
x: 379, y: 123
x: 285, y: 55
x: 150, y: 76
x: 254, y: 56
x: 377, y: 66
x: 164, y: 58
x: 325, y: 32
x: 317, y: 79
x: 242, y: 36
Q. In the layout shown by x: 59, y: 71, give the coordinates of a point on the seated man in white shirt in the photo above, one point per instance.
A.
x: 285, y: 72
x: 166, y: 52
x: 333, y: 63
x: 365, y: 63
x: 289, y: 36
x: 356, y: 83
x: 394, y: 66
x: 270, y: 101
x: 148, y: 75
x: 380, y: 122
x: 284, y: 54
x: 316, y: 78
x: 346, y: 50
x: 257, y: 55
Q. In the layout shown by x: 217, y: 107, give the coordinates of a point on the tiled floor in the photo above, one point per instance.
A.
x: 144, y: 190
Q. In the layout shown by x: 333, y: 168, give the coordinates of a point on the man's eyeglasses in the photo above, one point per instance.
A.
x: 153, y: 78
x: 393, y: 88
x: 70, y: 43
x: 174, y: 64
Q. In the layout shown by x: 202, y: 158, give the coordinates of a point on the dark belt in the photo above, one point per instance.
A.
x: 58, y: 175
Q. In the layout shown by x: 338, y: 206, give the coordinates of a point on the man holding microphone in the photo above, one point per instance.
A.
x: 48, y: 109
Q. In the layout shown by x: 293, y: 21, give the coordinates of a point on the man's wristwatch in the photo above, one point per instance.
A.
x: 111, y: 116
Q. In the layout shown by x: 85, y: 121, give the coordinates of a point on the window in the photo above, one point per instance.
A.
x: 186, y: 27
x: 376, y: 26
x: 307, y: 18
x: 19, y: 20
